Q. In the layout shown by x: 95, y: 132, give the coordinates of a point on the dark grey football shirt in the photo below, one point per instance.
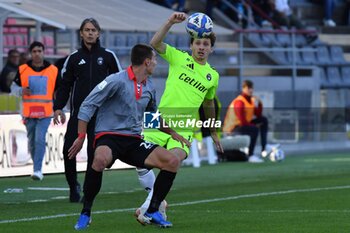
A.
x: 120, y: 102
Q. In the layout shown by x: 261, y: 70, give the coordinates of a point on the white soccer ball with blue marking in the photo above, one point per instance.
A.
x: 199, y: 25
x: 277, y: 155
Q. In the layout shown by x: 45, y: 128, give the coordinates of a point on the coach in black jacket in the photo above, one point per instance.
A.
x: 81, y: 72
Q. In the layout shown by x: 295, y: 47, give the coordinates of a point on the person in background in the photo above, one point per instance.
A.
x: 36, y: 82
x: 283, y: 15
x: 24, y: 57
x: 81, y: 72
x: 240, y: 119
x: 8, y: 73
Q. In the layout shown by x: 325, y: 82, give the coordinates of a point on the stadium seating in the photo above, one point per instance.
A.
x: 143, y: 38
x: 324, y: 83
x: 255, y: 38
x: 131, y: 39
x: 308, y: 56
x: 333, y: 76
x: 182, y: 41
x: 269, y: 39
x: 300, y: 40
x: 298, y: 60
x: 170, y: 39
x: 345, y: 74
x: 336, y: 55
x: 284, y: 39
x: 323, y: 57
x: 279, y: 55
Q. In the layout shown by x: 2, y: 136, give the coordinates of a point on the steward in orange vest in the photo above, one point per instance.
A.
x: 244, y: 117
x: 36, y: 82
x: 241, y: 112
x: 41, y: 82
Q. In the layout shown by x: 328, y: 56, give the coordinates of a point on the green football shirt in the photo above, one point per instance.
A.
x: 187, y: 85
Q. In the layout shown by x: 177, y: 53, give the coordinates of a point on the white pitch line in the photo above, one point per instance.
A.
x: 48, y: 189
x: 260, y: 195
x: 182, y: 203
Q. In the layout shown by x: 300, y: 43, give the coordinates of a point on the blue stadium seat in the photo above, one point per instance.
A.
x: 131, y: 39
x: 170, y: 39
x: 279, y: 56
x: 323, y: 56
x: 143, y: 38
x: 324, y: 83
x: 120, y: 40
x: 284, y: 38
x: 308, y: 56
x: 120, y: 43
x: 333, y: 76
x: 255, y: 38
x: 269, y: 39
x: 336, y: 54
x: 300, y: 40
x: 182, y: 41
x: 298, y: 60
x: 345, y: 74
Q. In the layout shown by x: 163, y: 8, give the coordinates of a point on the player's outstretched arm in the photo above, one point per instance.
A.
x: 158, y: 38
x: 209, y: 112
x: 78, y: 143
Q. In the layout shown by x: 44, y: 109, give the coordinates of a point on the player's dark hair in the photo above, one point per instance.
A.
x: 92, y: 21
x: 36, y: 44
x: 139, y: 53
x: 247, y: 83
x: 212, y: 38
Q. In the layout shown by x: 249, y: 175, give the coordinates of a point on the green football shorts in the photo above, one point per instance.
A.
x: 166, y: 141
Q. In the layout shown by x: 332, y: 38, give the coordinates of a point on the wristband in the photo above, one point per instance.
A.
x: 81, y: 135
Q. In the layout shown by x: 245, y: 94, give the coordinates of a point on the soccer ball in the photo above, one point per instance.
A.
x: 199, y: 25
x: 277, y: 155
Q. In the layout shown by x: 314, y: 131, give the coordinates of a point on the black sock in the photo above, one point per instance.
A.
x: 161, y: 188
x: 93, y: 182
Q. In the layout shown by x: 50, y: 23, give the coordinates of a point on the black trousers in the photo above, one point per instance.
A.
x: 70, y: 166
x: 260, y: 125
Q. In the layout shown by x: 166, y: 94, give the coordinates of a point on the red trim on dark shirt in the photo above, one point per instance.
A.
x: 138, y: 91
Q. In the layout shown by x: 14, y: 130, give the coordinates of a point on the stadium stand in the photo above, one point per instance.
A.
x: 281, y: 61
x: 308, y: 56
x: 336, y: 55
x: 334, y: 77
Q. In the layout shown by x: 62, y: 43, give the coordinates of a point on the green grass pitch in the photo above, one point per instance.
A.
x: 309, y: 193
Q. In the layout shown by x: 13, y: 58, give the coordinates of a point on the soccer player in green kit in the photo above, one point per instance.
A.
x: 191, y: 81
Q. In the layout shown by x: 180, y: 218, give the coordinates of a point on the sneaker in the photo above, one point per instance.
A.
x: 142, y: 210
x: 37, y: 175
x: 83, y: 222
x: 329, y: 23
x: 156, y: 218
x: 255, y: 159
x: 74, y: 193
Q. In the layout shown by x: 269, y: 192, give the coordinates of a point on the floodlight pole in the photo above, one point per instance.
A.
x: 37, y: 36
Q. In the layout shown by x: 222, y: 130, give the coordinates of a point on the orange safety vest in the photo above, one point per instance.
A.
x: 231, y: 120
x: 42, y: 85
